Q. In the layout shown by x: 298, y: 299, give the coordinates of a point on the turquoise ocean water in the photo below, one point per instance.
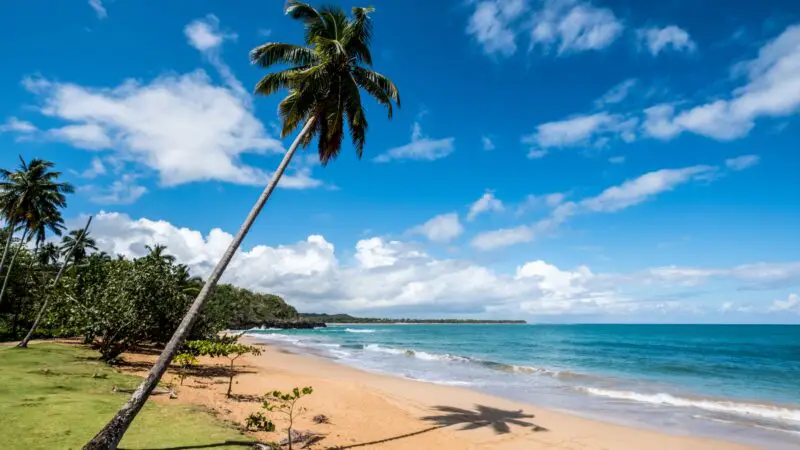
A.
x: 737, y: 382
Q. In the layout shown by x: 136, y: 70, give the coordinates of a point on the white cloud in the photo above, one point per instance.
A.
x: 442, y: 228
x: 790, y: 304
x: 574, y: 26
x: 772, y: 90
x: 586, y: 130
x: 638, y: 190
x: 504, y: 237
x: 16, y: 125
x: 97, y: 168
x: 388, y: 277
x: 383, y: 275
x: 534, y: 201
x: 99, y: 9
x: 421, y: 148
x: 121, y: 192
x: 742, y: 162
x: 670, y: 37
x: 615, y: 198
x: 184, y: 127
x: 486, y: 203
x: 206, y: 36
x: 492, y: 25
x: 617, y: 93
x: 487, y: 143
x: 536, y: 154
x: 757, y: 276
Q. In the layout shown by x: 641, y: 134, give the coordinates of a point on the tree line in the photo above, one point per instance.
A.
x: 113, y: 302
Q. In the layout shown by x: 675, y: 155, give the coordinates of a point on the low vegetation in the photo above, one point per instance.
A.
x: 284, y: 404
x: 57, y: 396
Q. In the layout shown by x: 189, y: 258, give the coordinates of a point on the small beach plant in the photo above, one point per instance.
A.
x: 184, y: 361
x: 286, y: 403
x: 225, y: 347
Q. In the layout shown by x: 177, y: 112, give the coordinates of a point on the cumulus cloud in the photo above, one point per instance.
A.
x: 185, y: 127
x: 421, y: 148
x: 628, y: 194
x: 532, y: 201
x: 123, y: 191
x: 382, y: 275
x: 99, y: 9
x: 772, y: 90
x: 486, y: 203
x: 442, y: 228
x: 573, y: 26
x: 671, y: 37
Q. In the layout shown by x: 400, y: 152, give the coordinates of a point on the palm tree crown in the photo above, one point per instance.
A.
x: 82, y: 245
x: 325, y: 77
x: 32, y: 193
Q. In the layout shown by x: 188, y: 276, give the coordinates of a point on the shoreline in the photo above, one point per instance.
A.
x: 472, y: 419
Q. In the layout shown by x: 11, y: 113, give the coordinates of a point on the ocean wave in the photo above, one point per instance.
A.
x: 425, y: 356
x: 358, y: 330
x: 719, y: 406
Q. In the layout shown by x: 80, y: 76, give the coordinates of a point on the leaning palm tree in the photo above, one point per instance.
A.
x: 324, y: 80
x: 29, y: 195
x: 78, y: 244
x: 67, y: 257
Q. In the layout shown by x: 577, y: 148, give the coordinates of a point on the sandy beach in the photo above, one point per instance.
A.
x: 369, y: 410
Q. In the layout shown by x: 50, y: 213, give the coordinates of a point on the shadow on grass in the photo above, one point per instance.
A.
x: 187, y: 447
x: 482, y: 416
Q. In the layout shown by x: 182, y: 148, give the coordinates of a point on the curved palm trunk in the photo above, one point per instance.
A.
x: 24, y: 343
x: 11, y: 266
x: 109, y: 437
x: 11, y: 226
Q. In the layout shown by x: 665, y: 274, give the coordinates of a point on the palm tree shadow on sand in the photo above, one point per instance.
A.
x: 482, y: 416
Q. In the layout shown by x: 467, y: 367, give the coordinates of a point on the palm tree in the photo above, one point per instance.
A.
x: 31, y: 196
x: 157, y: 252
x: 48, y: 254
x: 78, y: 245
x: 79, y: 238
x: 324, y: 82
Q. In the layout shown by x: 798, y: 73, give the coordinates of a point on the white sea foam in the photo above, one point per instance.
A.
x: 740, y: 409
x: 425, y: 356
x: 358, y: 330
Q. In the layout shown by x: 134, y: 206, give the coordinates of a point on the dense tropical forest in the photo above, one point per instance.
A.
x: 112, y: 301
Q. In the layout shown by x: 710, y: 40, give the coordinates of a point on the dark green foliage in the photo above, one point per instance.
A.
x: 246, y: 309
x: 258, y: 422
x: 346, y: 318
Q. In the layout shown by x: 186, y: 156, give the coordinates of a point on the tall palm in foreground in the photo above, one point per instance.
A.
x: 31, y: 196
x: 324, y: 80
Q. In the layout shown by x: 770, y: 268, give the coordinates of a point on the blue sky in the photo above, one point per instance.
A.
x: 558, y: 160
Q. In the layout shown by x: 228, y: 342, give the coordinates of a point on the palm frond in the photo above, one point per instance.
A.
x: 378, y: 86
x: 279, y: 53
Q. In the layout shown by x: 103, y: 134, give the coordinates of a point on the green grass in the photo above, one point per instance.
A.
x: 49, y: 399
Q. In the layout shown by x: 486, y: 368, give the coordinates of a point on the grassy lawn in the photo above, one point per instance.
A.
x: 49, y: 399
